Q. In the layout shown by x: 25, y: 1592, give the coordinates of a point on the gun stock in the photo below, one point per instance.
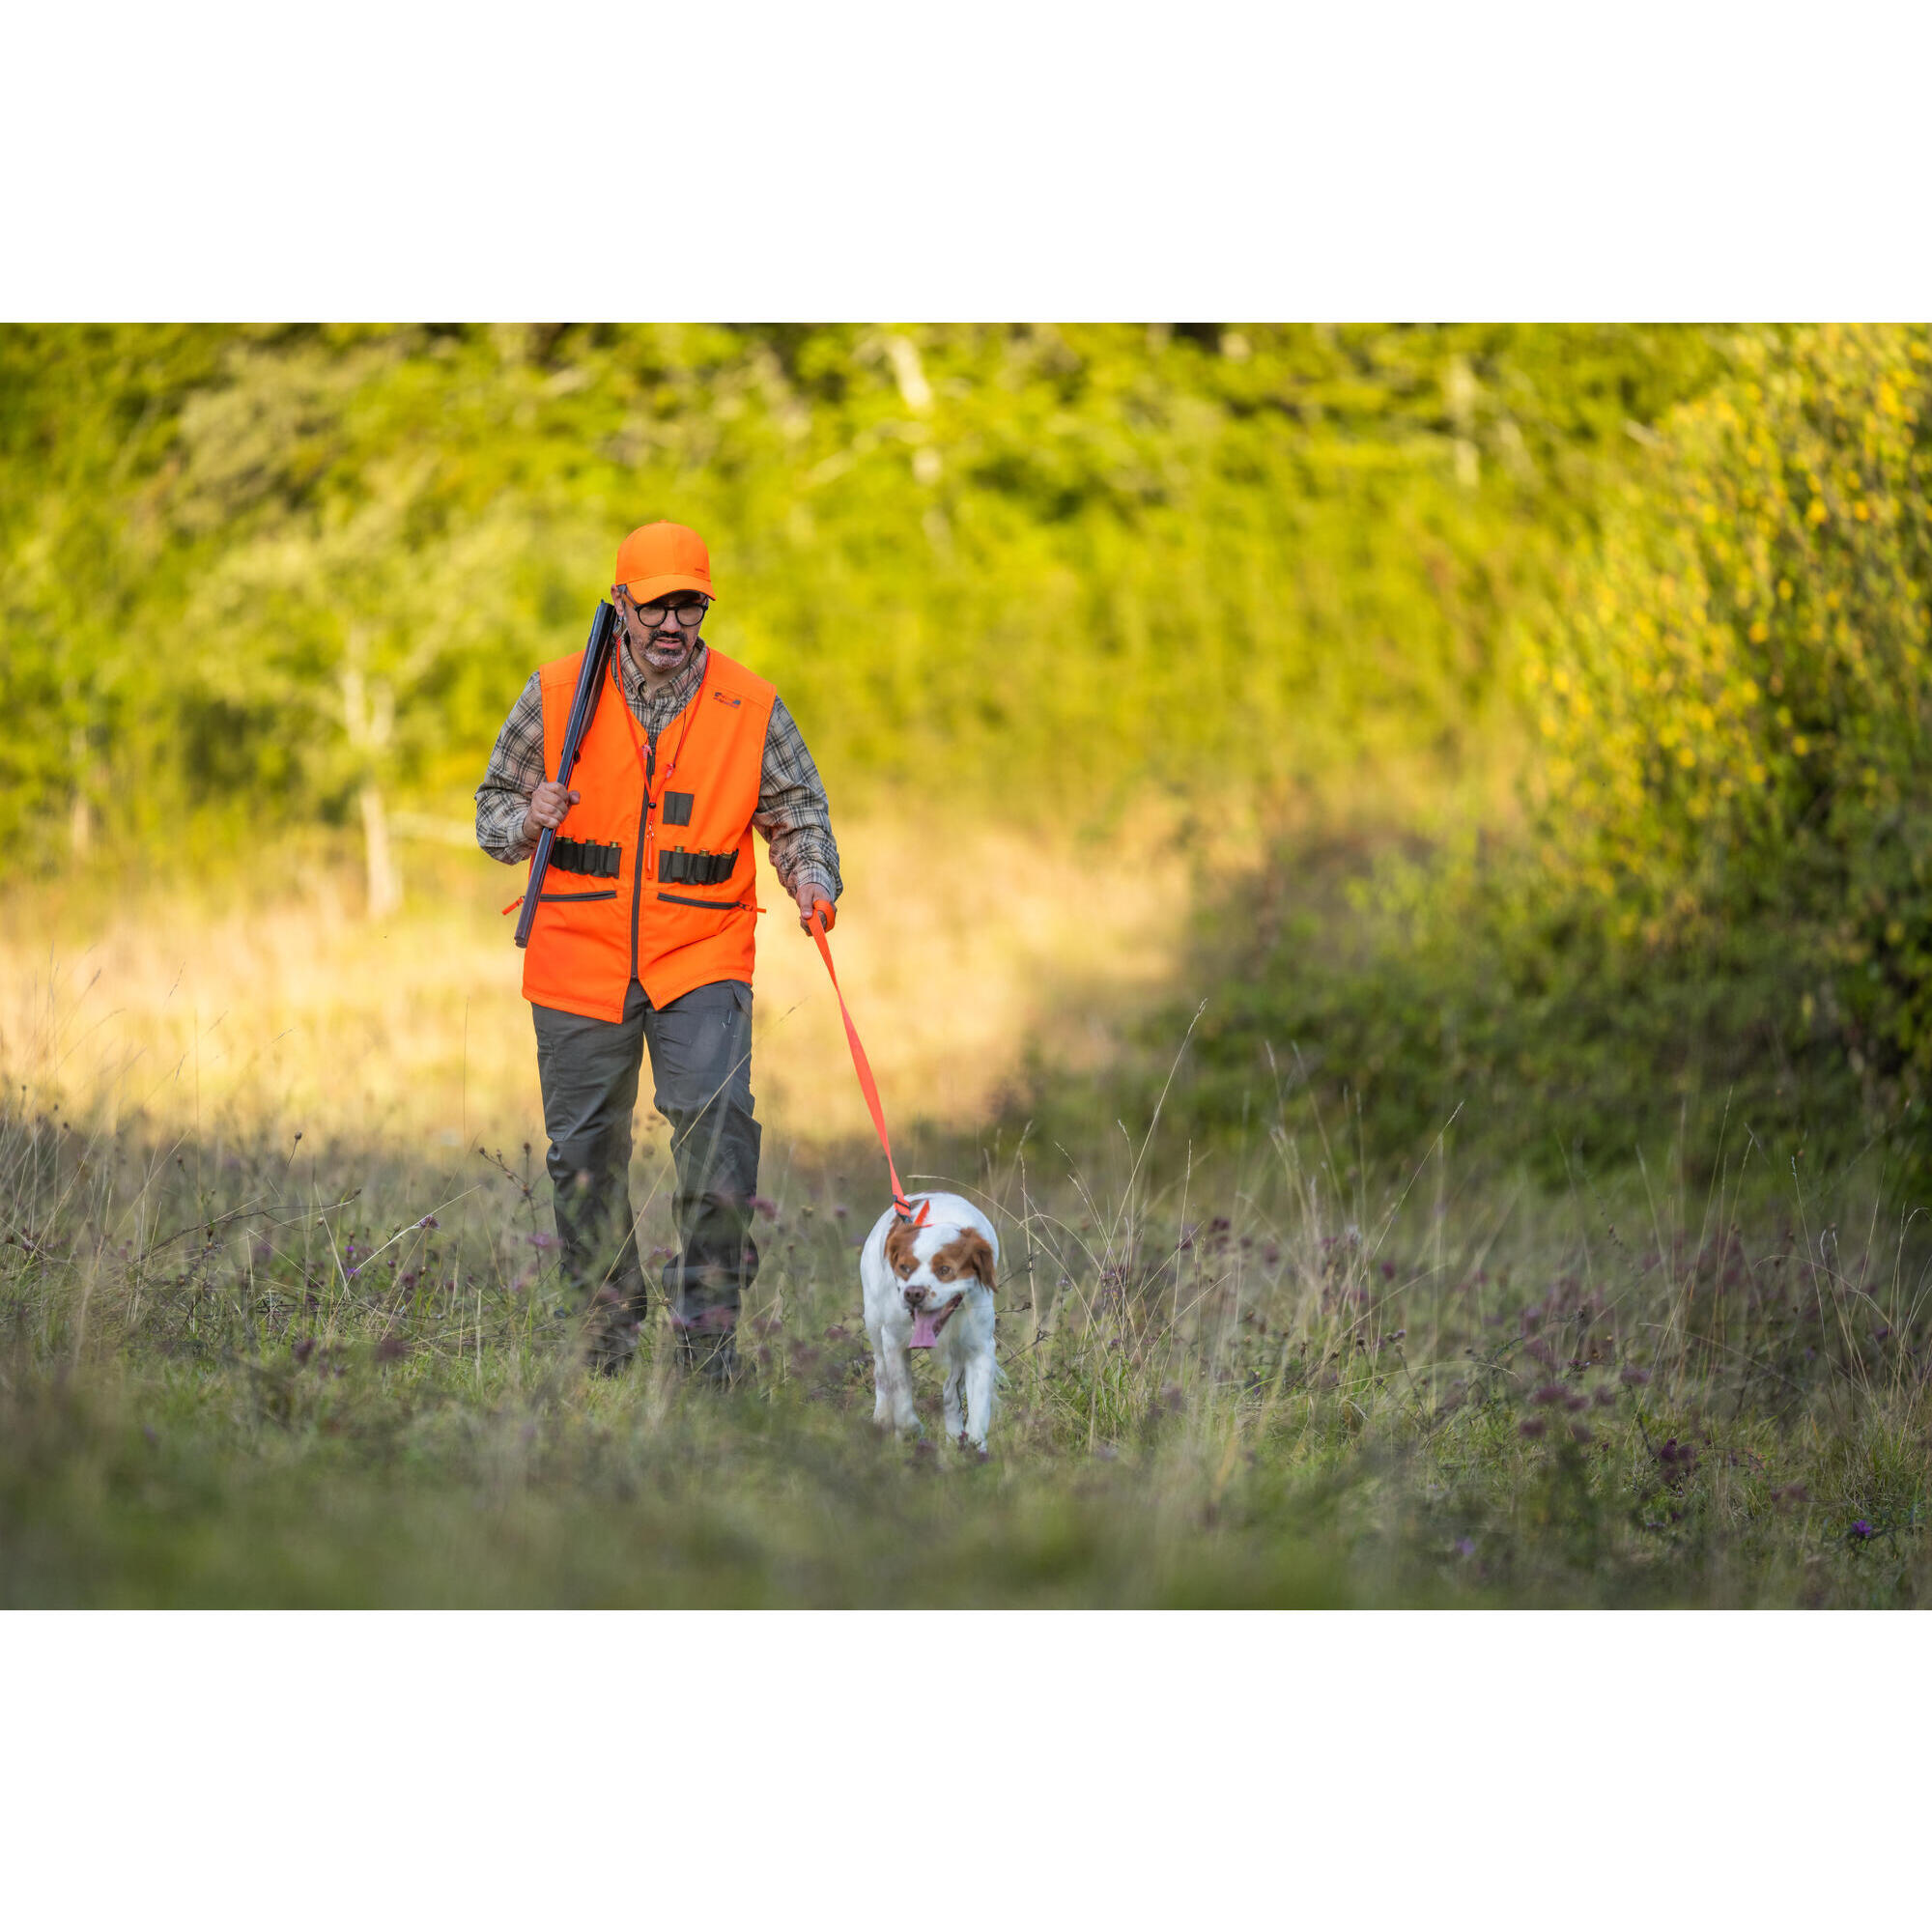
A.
x: 583, y: 709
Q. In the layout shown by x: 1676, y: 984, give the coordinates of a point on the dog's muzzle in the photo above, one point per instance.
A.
x: 925, y: 1323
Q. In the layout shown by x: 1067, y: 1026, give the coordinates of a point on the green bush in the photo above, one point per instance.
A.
x: 1737, y: 710
x: 1720, y: 909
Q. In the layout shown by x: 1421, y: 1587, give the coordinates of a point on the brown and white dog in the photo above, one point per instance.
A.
x: 932, y: 1287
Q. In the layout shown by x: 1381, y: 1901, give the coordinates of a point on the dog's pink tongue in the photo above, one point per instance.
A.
x: 924, y: 1330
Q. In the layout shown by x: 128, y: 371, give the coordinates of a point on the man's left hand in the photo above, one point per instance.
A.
x: 809, y: 894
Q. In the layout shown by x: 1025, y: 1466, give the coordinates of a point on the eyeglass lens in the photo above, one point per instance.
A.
x: 689, y: 615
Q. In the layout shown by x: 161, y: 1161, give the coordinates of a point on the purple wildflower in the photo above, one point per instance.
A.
x: 1548, y: 1396
x: 1862, y: 1529
x: 429, y: 1221
x: 1633, y: 1378
x: 1532, y: 1427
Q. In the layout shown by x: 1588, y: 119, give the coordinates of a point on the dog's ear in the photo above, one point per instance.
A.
x: 976, y: 1256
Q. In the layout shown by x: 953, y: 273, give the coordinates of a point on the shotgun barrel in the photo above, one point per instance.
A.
x: 583, y: 709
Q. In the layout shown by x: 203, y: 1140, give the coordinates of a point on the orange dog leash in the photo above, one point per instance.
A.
x: 868, y: 1086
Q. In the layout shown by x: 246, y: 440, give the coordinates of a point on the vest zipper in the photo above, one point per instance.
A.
x: 644, y: 835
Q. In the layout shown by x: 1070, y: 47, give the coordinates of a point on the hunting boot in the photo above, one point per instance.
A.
x: 711, y: 1358
x: 612, y: 1325
x: 704, y: 1298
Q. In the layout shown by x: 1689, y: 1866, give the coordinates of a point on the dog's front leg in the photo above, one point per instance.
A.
x: 882, y: 1381
x: 954, y: 1422
x: 980, y: 1373
x: 895, y: 1371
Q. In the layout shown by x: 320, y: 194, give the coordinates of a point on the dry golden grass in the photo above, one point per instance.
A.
x: 955, y: 949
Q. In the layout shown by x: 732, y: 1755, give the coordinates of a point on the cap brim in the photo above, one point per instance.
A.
x: 645, y: 589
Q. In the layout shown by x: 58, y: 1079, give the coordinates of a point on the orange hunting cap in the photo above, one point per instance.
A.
x: 662, y: 558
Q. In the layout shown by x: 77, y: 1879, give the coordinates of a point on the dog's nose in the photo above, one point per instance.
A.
x: 916, y: 1297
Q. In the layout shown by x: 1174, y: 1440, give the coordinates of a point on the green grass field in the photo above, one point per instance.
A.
x: 252, y: 1374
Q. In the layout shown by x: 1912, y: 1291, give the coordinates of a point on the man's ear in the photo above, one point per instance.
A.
x: 977, y: 1258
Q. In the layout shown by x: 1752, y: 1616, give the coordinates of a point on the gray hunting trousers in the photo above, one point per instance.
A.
x: 700, y: 1048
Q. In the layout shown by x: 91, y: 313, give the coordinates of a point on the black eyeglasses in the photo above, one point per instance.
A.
x: 689, y: 615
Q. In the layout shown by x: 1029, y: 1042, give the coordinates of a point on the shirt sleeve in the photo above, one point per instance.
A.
x: 792, y: 812
x: 515, y: 771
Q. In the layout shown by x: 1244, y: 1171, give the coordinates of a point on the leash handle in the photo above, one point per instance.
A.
x: 861, y: 1065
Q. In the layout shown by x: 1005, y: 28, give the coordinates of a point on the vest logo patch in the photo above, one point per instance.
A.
x: 726, y: 697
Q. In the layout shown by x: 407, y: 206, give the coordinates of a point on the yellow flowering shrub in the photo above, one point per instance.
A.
x: 1735, y: 706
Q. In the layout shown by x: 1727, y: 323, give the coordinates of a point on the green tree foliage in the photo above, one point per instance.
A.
x: 247, y: 575
x: 89, y: 418
x: 1724, y: 907
x: 1737, y: 712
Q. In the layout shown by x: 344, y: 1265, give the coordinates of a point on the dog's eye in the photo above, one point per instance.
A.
x: 944, y: 1272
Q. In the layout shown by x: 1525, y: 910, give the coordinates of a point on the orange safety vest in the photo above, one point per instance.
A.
x: 655, y: 881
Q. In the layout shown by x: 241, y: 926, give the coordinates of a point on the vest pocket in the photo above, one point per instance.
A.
x: 707, y: 905
x: 571, y: 898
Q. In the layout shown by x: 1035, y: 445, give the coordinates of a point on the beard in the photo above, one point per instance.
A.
x: 663, y: 653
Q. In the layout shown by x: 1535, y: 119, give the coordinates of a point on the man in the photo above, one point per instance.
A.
x: 646, y: 934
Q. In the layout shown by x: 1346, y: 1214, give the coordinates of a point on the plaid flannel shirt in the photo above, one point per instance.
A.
x: 792, y: 813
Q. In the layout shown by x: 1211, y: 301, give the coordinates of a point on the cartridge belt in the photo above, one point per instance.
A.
x: 679, y: 868
x: 578, y: 855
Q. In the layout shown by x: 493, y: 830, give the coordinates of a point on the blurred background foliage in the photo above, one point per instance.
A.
x: 246, y: 569
x: 1716, y: 910
x: 1571, y: 681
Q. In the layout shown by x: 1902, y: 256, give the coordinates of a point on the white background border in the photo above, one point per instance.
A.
x: 1041, y: 161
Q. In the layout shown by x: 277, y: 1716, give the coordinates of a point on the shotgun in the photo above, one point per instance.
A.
x: 583, y: 709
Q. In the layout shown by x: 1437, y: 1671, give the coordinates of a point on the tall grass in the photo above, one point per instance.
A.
x: 255, y: 1369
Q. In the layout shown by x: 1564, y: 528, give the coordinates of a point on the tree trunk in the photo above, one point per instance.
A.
x: 368, y: 726
x: 81, y: 827
x: 386, y: 889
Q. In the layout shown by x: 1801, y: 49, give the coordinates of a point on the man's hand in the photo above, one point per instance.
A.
x: 809, y: 896
x: 549, y: 805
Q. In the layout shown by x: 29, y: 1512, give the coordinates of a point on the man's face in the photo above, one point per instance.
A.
x: 663, y: 632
